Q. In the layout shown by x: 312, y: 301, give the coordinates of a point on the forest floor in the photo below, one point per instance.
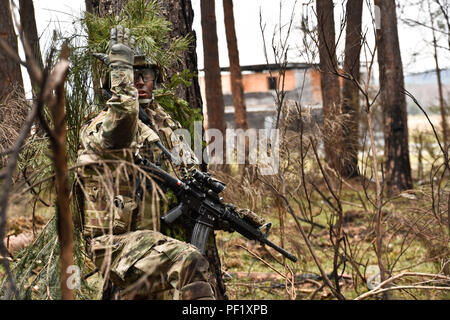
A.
x: 252, y: 271
x: 412, y: 239
x: 407, y: 250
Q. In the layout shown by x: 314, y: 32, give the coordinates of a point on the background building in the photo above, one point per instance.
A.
x: 302, y: 83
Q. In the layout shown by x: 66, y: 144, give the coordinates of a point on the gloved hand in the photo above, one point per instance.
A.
x: 121, y: 52
x: 248, y: 215
x: 120, y: 60
x: 251, y: 217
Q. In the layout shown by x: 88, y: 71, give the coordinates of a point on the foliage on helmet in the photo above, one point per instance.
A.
x: 147, y: 25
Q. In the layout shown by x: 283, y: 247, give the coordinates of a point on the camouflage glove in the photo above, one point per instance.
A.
x: 121, y: 52
x: 121, y: 48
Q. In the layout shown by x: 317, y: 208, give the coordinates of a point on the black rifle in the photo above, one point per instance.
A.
x: 199, y: 200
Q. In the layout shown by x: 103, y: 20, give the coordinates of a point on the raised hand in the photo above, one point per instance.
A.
x: 121, y: 47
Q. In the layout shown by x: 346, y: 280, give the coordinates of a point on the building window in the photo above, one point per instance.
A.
x: 272, y: 82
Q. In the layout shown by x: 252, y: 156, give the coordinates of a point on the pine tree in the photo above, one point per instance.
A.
x: 350, y: 92
x: 397, y: 168
x: 213, y: 85
x: 237, y: 89
x: 10, y: 74
x: 329, y: 82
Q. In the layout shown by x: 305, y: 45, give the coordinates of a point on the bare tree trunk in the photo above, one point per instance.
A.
x: 213, y: 86
x: 181, y: 15
x: 442, y: 105
x: 10, y: 74
x: 28, y: 22
x: 237, y: 89
x: 329, y: 82
x: 397, y: 166
x: 103, y: 8
x: 89, y: 6
x: 350, y: 92
x: 240, y: 113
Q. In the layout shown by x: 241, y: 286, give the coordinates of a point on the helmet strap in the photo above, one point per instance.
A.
x: 147, y: 101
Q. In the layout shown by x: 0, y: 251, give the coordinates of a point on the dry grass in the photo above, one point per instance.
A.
x: 420, y: 122
x: 13, y: 111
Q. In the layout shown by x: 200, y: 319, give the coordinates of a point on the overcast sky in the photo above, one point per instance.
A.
x: 416, y: 56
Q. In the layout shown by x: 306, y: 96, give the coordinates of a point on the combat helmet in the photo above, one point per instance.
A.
x: 142, y: 61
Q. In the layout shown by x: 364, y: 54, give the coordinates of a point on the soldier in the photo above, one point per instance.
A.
x: 120, y: 224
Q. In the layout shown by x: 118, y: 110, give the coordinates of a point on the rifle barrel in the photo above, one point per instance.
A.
x: 285, y: 253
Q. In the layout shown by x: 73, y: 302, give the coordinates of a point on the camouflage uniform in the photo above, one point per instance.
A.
x: 123, y: 231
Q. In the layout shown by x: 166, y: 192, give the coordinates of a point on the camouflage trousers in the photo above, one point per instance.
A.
x: 148, y: 265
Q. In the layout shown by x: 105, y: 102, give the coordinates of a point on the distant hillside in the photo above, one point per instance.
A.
x: 424, y: 87
x: 428, y: 77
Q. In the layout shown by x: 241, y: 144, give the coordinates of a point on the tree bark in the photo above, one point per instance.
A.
x: 396, y: 151
x: 103, y: 8
x: 10, y: 74
x: 350, y: 92
x: 181, y: 15
x: 213, y: 86
x: 329, y: 81
x: 237, y: 90
x: 28, y: 22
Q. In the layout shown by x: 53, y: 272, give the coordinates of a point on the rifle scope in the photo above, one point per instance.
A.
x: 211, y: 183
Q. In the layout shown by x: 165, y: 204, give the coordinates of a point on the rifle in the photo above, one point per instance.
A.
x: 199, y: 201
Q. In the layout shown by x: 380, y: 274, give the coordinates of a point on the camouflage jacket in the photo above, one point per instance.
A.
x: 107, y: 175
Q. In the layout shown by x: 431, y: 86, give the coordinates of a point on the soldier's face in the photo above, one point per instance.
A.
x: 144, y: 80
